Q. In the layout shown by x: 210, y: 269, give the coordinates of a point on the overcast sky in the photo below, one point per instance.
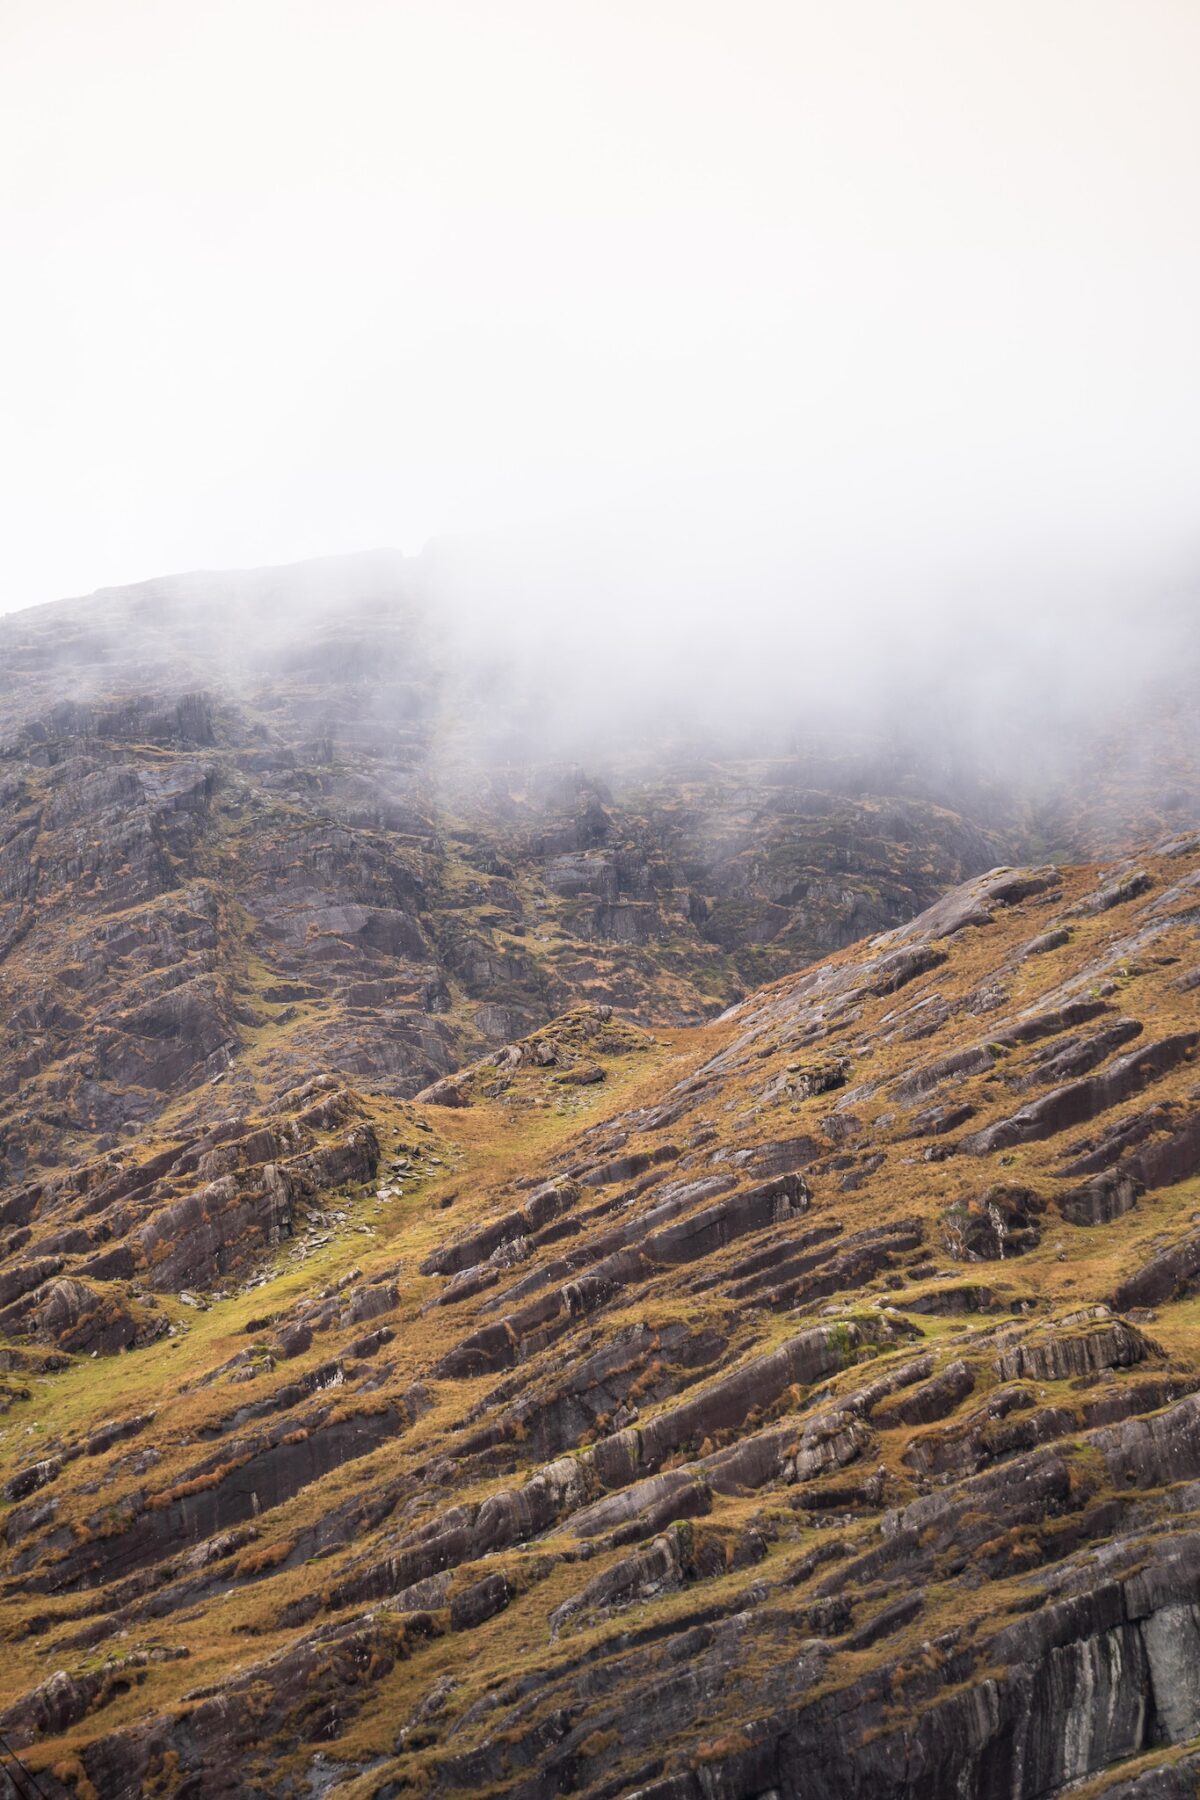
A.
x: 898, y: 292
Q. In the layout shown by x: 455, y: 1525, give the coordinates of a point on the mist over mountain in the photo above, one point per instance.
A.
x: 370, y: 781
x: 600, y: 1111
x: 557, y: 656
x: 538, y: 1165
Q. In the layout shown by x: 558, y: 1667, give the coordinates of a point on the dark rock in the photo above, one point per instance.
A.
x: 1003, y: 1221
x: 1079, y: 1101
x: 896, y: 970
x: 1099, y: 1201
x: 1113, y: 893
x: 1049, y: 940
x: 1077, y: 1345
x: 1168, y: 1274
x: 931, y: 1400
x: 481, y: 1601
x: 28, y: 1480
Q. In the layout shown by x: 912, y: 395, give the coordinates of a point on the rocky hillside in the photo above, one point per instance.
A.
x: 489, y: 1222
x: 257, y: 827
x: 804, y: 1402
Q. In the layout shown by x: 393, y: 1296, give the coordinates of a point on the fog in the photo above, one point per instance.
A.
x: 723, y: 365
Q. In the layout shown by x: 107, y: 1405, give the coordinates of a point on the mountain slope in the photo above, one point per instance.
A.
x: 802, y: 1402
x: 257, y: 826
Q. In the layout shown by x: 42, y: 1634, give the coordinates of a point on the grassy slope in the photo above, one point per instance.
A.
x: 485, y: 1149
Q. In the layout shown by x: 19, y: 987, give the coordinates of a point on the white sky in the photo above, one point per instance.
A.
x: 903, y: 287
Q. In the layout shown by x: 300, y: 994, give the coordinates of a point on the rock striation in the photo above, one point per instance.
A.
x: 446, y: 1348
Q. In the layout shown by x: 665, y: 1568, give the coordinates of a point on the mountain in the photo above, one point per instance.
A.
x: 254, y: 827
x: 258, y: 825
x: 668, y: 1273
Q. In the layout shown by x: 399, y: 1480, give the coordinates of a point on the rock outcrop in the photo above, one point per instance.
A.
x: 430, y: 1366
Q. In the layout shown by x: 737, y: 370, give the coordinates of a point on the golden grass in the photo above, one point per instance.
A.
x: 486, y: 1149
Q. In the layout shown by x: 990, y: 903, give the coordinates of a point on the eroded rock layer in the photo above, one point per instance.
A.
x: 803, y: 1403
x: 262, y: 826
